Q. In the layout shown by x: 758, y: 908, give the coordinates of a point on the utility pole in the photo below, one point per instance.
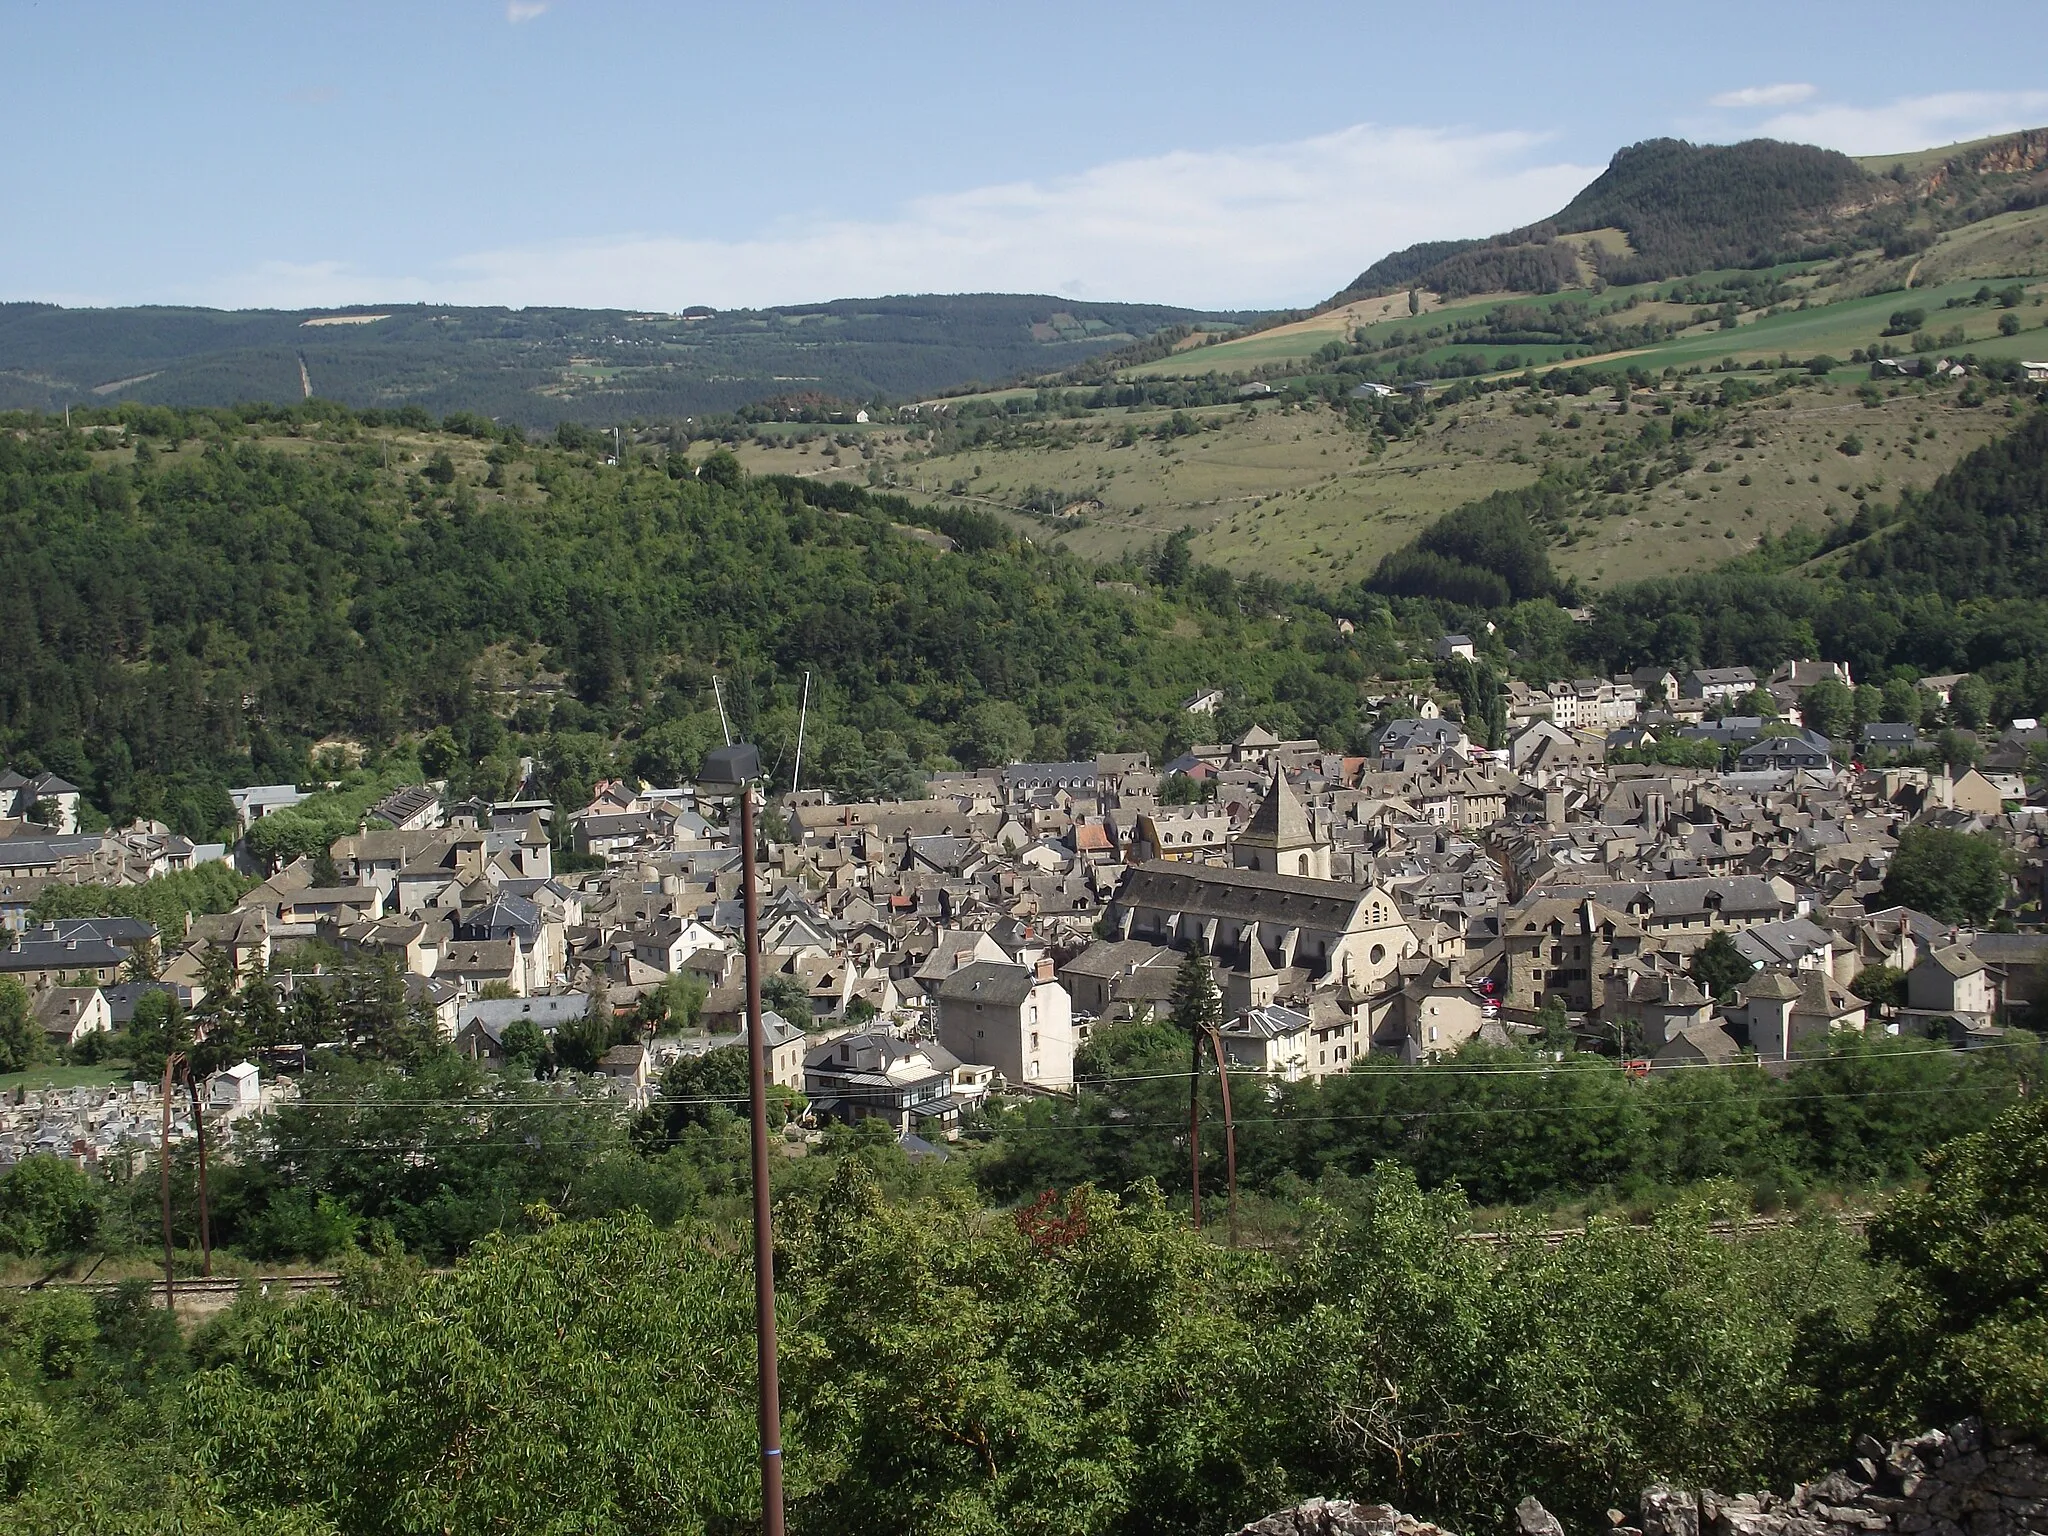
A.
x: 1229, y: 1127
x: 803, y: 715
x: 205, y: 1219
x: 163, y: 1168
x: 1195, y: 1123
x: 735, y: 768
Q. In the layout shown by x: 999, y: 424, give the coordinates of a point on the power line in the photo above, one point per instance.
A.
x: 1250, y: 1074
x: 1406, y: 1115
x: 397, y: 1145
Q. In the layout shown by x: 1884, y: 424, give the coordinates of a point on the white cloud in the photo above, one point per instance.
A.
x: 1785, y: 95
x: 1266, y: 225
x: 517, y: 11
x: 1914, y: 122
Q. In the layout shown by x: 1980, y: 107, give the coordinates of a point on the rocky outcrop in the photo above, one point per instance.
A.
x: 1341, y: 1517
x: 1965, y: 1481
x: 1962, y: 1482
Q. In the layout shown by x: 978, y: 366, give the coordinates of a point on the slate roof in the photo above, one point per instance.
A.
x: 1245, y: 895
x: 1281, y: 820
x: 986, y: 981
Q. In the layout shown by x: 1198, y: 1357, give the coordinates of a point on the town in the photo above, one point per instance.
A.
x: 925, y: 955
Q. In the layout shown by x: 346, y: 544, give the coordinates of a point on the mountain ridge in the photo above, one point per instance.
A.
x: 544, y: 364
x: 1688, y: 208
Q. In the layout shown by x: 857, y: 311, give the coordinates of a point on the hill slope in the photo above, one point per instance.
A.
x: 540, y: 366
x: 204, y: 597
x: 1687, y: 208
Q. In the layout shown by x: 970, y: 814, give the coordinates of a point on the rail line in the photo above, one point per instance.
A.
x: 209, y: 1293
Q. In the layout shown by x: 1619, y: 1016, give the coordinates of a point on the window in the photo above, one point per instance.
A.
x: 1378, y: 954
x: 1032, y: 1070
x: 1034, y: 1033
x: 1341, y: 1051
x: 1304, y: 863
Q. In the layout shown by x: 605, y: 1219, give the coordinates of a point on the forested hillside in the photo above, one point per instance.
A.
x: 203, y: 604
x: 208, y: 602
x: 540, y: 366
x: 1691, y: 208
x: 1951, y: 580
x: 1694, y: 207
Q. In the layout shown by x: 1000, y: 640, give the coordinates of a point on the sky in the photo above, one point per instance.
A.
x: 652, y: 156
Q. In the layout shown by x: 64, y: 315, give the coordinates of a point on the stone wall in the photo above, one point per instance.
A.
x: 1965, y: 1481
x: 1341, y: 1517
x: 1962, y: 1482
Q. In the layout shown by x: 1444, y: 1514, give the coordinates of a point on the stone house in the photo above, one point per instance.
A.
x: 1014, y: 1018
x: 1953, y: 979
x: 67, y: 1015
x: 1564, y: 947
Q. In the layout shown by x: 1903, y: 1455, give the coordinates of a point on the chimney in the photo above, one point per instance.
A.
x: 1553, y: 808
x: 1044, y: 968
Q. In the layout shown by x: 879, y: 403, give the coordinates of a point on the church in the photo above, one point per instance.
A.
x: 1274, y: 910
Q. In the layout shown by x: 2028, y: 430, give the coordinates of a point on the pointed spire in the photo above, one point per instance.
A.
x: 1254, y: 961
x: 1281, y: 821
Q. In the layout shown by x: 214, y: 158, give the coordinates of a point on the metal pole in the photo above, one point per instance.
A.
x: 803, y: 715
x: 764, y: 1233
x: 205, y: 1219
x: 1229, y: 1127
x: 163, y: 1168
x: 1195, y: 1122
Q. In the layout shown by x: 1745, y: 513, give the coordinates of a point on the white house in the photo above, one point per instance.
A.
x: 1014, y: 1018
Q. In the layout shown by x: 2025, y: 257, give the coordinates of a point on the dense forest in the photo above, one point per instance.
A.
x: 210, y: 603
x: 203, y: 610
x: 1486, y: 554
x: 540, y: 366
x: 1686, y: 208
x: 1085, y: 1362
x: 1694, y: 207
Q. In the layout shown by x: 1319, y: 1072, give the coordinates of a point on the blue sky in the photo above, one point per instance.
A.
x: 652, y: 156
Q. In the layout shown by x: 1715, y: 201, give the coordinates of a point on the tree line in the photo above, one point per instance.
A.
x: 1082, y: 1363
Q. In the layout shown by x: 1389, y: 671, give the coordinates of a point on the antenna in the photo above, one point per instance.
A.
x: 723, y: 723
x: 796, y: 779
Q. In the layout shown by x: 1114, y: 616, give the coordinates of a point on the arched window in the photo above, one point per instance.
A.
x: 1304, y: 863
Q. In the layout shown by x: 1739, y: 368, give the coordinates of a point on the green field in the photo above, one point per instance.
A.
x: 1290, y: 489
x: 1849, y: 324
x: 1842, y: 313
x: 104, y: 1075
x: 1293, y: 491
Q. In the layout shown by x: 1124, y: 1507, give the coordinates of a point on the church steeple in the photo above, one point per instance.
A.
x: 1280, y: 839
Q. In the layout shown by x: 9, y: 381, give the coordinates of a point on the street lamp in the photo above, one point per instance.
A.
x: 731, y: 771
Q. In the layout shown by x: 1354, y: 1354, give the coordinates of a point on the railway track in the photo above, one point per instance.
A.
x: 1748, y: 1226
x: 195, y: 1290
x: 214, y: 1292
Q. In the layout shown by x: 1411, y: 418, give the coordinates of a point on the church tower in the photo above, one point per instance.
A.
x: 1279, y: 839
